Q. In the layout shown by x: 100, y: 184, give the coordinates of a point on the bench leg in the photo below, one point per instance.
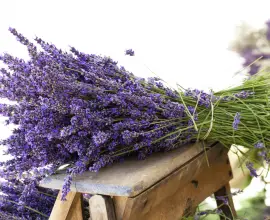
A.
x: 71, y: 209
x: 228, y: 210
x: 101, y: 208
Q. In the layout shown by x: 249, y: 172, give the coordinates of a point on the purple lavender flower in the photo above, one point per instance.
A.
x: 253, y: 69
x: 203, y: 98
x: 207, y: 212
x: 244, y: 94
x: 249, y: 57
x: 100, y: 138
x: 252, y: 171
x: 203, y: 213
x: 224, y: 199
x: 236, y: 121
x: 128, y: 136
x: 102, y: 162
x: 66, y: 187
x: 267, y: 23
x: 259, y: 145
x: 130, y: 52
x: 264, y: 155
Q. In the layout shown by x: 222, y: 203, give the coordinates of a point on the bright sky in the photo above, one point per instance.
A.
x: 181, y: 41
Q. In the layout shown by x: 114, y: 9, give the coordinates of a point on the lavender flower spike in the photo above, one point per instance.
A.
x: 236, y: 121
x: 252, y: 171
x: 259, y: 145
x: 66, y: 187
x: 264, y: 155
x: 223, y: 199
x: 130, y: 52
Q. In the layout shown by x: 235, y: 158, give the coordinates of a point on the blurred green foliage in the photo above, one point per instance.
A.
x: 252, y: 209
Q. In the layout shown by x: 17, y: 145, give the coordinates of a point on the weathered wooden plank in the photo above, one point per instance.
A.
x: 71, y: 209
x: 179, y: 193
x: 131, y: 177
x: 119, y: 206
x: 101, y: 208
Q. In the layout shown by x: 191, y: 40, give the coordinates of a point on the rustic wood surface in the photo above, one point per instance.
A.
x: 101, y: 208
x: 71, y: 209
x: 183, y: 181
x: 131, y: 177
x: 119, y: 205
x: 180, y: 193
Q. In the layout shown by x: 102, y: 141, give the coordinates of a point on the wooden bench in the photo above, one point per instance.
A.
x: 164, y: 186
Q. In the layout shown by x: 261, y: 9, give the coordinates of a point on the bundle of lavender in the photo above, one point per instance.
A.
x: 85, y: 111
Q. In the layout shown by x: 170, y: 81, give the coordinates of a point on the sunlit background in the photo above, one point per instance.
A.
x: 180, y: 41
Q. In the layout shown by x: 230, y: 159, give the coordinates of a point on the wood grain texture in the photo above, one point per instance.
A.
x: 131, y: 177
x: 119, y: 205
x: 71, y: 209
x: 179, y: 193
x: 101, y: 208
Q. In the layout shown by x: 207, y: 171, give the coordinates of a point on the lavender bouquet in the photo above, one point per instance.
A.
x: 86, y: 112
